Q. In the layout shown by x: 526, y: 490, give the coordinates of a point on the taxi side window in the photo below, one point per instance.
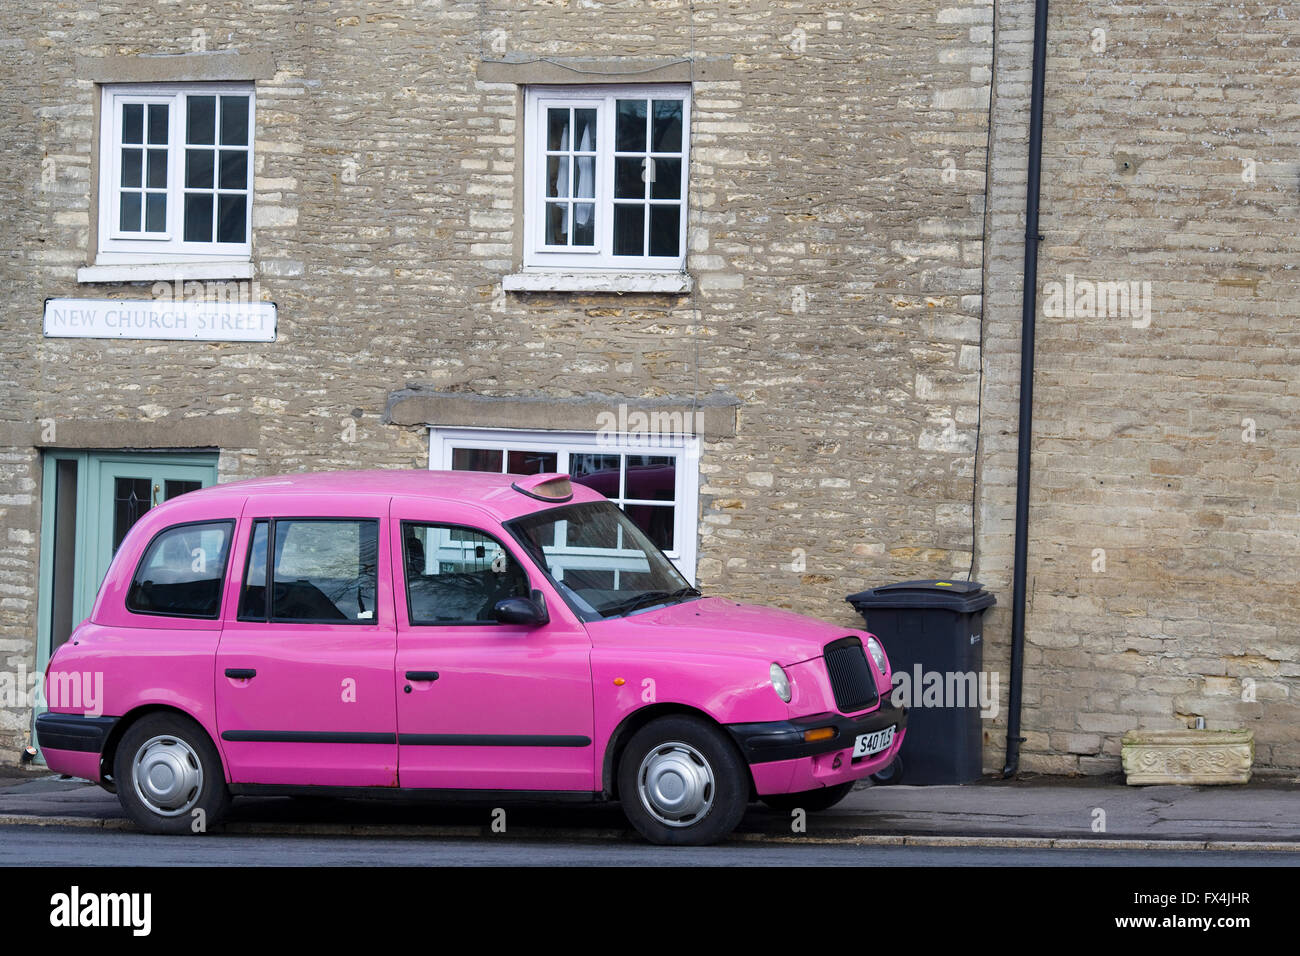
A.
x: 311, y: 570
x: 182, y: 572
x: 457, y: 575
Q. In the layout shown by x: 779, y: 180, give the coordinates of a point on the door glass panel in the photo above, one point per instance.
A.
x: 173, y: 487
x: 457, y: 575
x: 63, y: 596
x: 252, y: 597
x: 131, y: 499
x: 325, y: 571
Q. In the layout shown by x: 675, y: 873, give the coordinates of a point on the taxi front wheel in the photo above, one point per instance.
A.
x: 681, y: 782
x: 169, y: 776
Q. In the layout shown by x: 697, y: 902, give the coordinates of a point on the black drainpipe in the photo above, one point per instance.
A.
x: 1025, y: 435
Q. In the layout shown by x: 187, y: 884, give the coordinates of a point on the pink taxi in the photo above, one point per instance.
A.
x: 463, y: 635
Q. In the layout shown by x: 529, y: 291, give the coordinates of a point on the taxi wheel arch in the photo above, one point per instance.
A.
x: 168, y: 721
x: 109, y: 753
x: 633, y: 722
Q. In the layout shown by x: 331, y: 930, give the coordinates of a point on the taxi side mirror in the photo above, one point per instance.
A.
x: 521, y: 610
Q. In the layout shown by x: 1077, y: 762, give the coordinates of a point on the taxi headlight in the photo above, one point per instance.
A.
x: 878, y: 655
x: 780, y: 682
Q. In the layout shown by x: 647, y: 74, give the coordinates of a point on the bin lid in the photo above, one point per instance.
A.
x: 960, y: 596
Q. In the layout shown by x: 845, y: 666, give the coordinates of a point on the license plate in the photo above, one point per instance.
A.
x: 873, y: 743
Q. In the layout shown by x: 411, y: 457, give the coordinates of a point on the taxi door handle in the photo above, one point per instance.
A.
x: 421, y: 675
x: 240, y: 673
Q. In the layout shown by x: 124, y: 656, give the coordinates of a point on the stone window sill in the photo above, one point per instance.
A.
x: 618, y: 282
x: 165, y: 271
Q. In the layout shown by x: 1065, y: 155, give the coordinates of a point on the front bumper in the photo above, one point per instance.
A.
x: 781, y: 761
x: 775, y: 740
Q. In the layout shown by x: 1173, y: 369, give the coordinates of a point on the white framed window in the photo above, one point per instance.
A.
x: 605, y: 177
x: 175, y: 172
x: 655, y: 481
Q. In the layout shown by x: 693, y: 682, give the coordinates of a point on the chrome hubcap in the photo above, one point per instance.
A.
x: 167, y: 775
x: 676, y: 784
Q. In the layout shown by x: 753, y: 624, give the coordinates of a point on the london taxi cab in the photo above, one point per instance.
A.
x: 454, y: 634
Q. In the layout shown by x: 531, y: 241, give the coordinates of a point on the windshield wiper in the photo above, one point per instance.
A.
x: 647, y: 598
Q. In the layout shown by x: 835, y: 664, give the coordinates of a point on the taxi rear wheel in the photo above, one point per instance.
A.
x: 169, y: 775
x: 810, y: 800
x: 681, y: 782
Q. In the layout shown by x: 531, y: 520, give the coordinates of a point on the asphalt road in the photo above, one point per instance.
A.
x: 77, y: 846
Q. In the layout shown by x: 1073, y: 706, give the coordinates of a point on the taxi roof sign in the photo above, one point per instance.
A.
x: 547, y: 487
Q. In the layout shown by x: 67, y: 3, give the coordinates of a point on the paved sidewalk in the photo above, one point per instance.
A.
x: 1067, y: 808
x: 1034, y: 811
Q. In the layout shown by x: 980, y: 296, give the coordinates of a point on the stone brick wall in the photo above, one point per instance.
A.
x: 836, y: 202
x: 843, y: 296
x: 1169, y: 159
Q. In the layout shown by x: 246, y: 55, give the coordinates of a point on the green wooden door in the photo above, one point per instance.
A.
x: 90, y: 501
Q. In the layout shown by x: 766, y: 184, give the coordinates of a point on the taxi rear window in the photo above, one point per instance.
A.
x: 182, y: 571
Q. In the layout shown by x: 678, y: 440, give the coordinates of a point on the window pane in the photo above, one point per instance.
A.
x: 132, y: 167
x: 584, y: 224
x: 201, y: 124
x: 129, y: 216
x: 157, y: 169
x: 158, y: 123
x: 325, y: 571
x: 584, y: 184
x: 476, y: 459
x: 531, y: 462
x: 155, y: 212
x: 252, y: 597
x: 234, y: 120
x: 651, y: 477
x: 628, y: 183
x: 557, y: 224
x: 557, y: 129
x: 584, y: 131
x: 668, y: 179
x: 557, y: 175
x: 656, y: 521
x: 234, y: 169
x: 629, y: 131
x: 596, y: 471
x: 457, y: 575
x: 131, y: 499
x: 133, y: 123
x: 231, y: 215
x: 182, y: 572
x: 629, y: 230
x: 198, y: 168
x: 665, y: 230
x: 198, y: 217
x: 667, y: 134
